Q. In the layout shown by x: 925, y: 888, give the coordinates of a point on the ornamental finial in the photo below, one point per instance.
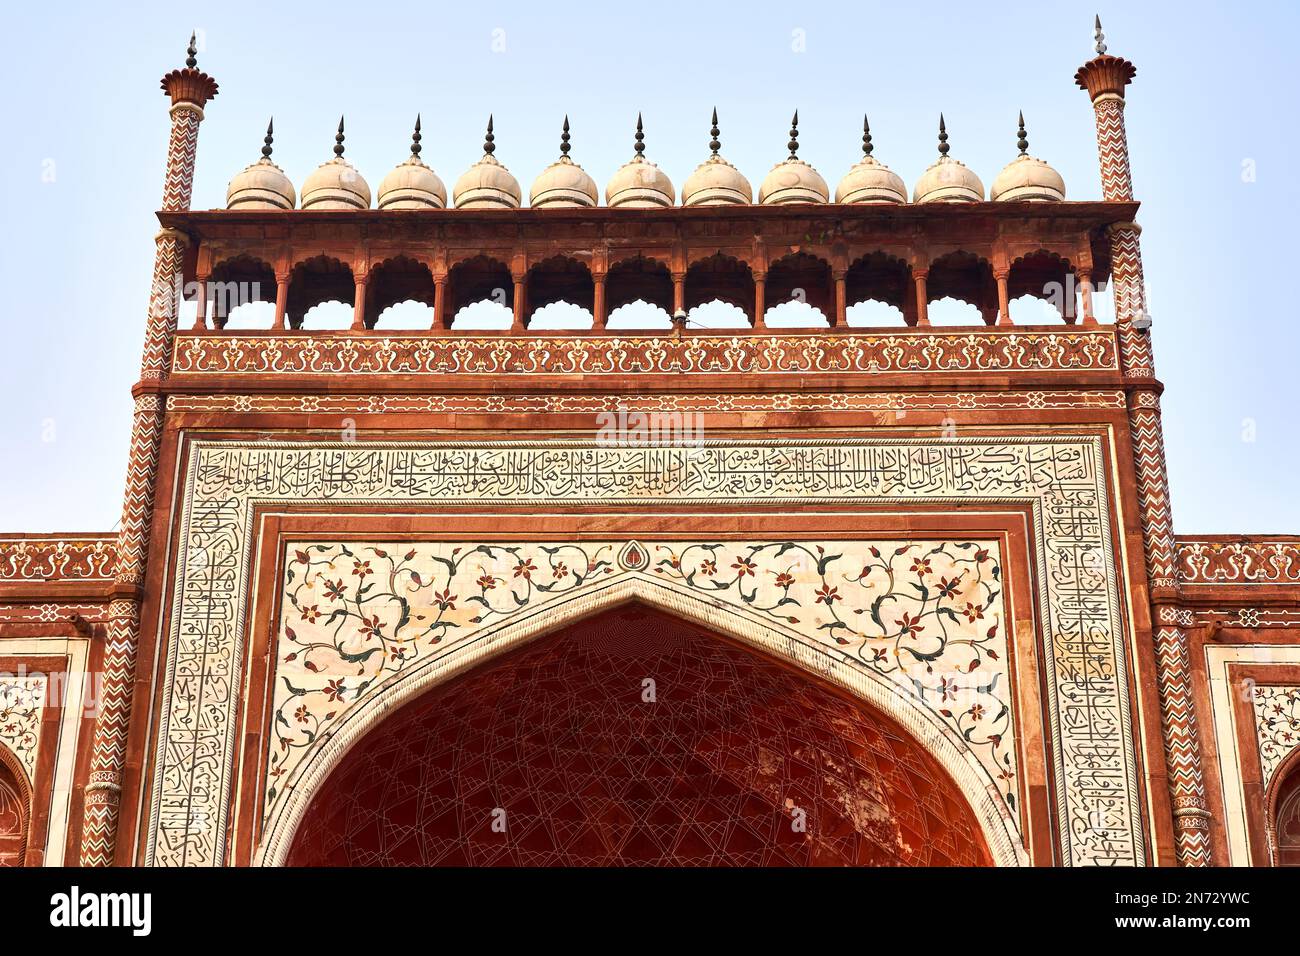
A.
x: 564, y: 138
x: 415, y: 138
x: 266, y: 142
x: 866, y: 137
x: 338, y: 140
x: 714, y: 143
x: 1099, y: 36
x: 794, y: 136
x: 191, y: 52
x: 943, y: 138
x: 1023, y: 141
x: 640, y: 138
x: 489, y: 141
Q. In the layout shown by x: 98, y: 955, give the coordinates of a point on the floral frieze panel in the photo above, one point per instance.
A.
x: 928, y: 616
x: 57, y: 559
x: 1277, y: 726
x: 920, y: 351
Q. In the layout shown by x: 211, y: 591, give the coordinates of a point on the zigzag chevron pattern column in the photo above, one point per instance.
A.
x: 1182, y: 747
x: 1105, y: 78
x: 189, y: 90
x: 1112, y: 147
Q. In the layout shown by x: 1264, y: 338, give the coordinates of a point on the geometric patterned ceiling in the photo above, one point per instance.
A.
x: 550, y: 756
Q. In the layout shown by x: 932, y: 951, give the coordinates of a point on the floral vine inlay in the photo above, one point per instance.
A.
x: 22, y: 699
x: 1277, y: 725
x: 927, y: 616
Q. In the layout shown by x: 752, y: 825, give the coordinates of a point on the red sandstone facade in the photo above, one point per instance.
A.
x: 263, y: 462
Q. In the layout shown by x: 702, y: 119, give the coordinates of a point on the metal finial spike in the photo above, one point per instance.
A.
x: 794, y: 136
x: 564, y: 138
x: 415, y: 138
x: 714, y: 143
x: 266, y: 142
x: 866, y: 136
x: 640, y: 137
x: 1101, y: 37
x: 338, y: 140
x: 191, y: 57
x: 943, y: 137
x: 489, y: 141
x: 1023, y: 141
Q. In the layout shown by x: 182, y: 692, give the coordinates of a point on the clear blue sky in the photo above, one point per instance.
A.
x: 86, y: 132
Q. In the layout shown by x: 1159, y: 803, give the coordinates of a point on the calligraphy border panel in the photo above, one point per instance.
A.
x: 1062, y: 479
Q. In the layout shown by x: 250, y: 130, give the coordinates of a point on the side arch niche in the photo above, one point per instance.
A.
x: 627, y: 731
x: 1284, y: 812
x: 15, y: 810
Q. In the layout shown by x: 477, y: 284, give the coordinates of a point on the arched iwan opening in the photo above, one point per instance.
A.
x: 633, y: 736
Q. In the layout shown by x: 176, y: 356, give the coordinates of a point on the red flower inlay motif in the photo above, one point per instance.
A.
x: 828, y: 595
x: 910, y: 624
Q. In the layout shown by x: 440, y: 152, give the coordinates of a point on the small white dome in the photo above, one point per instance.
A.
x: 639, y: 183
x: 947, y: 180
x: 1026, y: 179
x: 792, y: 180
x: 487, y: 184
x: 336, y: 184
x: 564, y: 182
x: 412, y: 185
x: 262, y: 185
x: 715, y: 181
x: 870, y: 181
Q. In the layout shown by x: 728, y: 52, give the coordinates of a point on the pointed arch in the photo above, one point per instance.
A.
x: 15, y: 810
x: 317, y: 281
x: 733, y: 621
x: 1048, y: 277
x: 1282, y: 812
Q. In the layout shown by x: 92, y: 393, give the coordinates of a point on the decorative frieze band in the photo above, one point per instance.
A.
x: 667, y: 402
x: 1257, y: 561
x: 986, y: 350
x: 92, y: 558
